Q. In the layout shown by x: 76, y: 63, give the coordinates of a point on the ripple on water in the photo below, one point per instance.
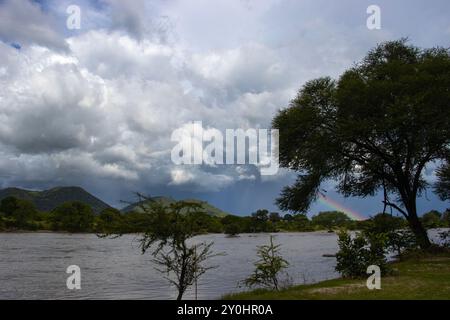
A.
x: 33, y: 265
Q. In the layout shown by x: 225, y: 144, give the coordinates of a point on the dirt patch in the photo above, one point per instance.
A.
x: 338, y: 289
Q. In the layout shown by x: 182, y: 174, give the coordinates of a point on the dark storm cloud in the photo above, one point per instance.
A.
x: 23, y: 22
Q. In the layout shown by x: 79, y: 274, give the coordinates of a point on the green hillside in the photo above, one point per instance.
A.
x: 47, y: 200
x: 208, y: 208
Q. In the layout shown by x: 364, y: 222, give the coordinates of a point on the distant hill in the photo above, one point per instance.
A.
x: 208, y: 208
x: 47, y: 200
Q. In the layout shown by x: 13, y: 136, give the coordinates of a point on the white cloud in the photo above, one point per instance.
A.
x: 180, y: 176
x: 118, y: 55
x: 250, y: 68
x: 200, y: 181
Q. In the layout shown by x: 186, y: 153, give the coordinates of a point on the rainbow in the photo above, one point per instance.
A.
x: 336, y: 206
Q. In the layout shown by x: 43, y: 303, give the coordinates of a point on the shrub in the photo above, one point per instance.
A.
x: 20, y: 212
x: 109, y: 220
x: 268, y: 267
x: 384, y: 223
x: 432, y: 219
x: 399, y: 237
x: 357, y: 253
x: 400, y: 241
x: 330, y: 219
x: 232, y: 229
x: 73, y: 217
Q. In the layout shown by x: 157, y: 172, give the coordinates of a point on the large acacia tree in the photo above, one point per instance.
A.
x: 375, y: 129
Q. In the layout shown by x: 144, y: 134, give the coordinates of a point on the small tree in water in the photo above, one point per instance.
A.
x: 268, y: 267
x: 167, y: 231
x: 185, y: 263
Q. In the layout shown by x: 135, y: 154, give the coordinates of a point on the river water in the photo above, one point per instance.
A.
x: 33, y: 265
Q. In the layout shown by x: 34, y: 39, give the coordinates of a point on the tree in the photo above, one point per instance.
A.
x: 214, y: 224
x: 383, y: 223
x: 8, y: 205
x: 400, y: 240
x: 73, y: 216
x: 373, y: 130
x: 110, y: 219
x: 274, y: 217
x: 232, y: 229
x: 261, y: 215
x: 166, y: 232
x: 24, y: 213
x: 185, y: 262
x: 397, y: 238
x: 233, y: 225
x: 330, y: 219
x: 301, y: 222
x: 135, y: 222
x: 259, y: 220
x: 208, y: 223
x: 268, y: 267
x: 357, y: 253
x: 432, y: 219
x: 20, y: 210
x: 170, y: 228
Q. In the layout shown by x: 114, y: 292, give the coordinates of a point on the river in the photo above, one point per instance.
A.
x: 33, y: 265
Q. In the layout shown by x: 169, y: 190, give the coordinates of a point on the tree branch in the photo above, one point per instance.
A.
x: 387, y: 203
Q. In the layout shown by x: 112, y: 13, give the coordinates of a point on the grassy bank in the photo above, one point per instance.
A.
x: 419, y: 278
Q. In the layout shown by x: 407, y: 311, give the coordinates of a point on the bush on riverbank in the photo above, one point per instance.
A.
x: 267, y: 269
x: 421, y: 275
x: 357, y: 253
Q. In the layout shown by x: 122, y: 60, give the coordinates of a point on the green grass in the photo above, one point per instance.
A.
x: 417, y: 279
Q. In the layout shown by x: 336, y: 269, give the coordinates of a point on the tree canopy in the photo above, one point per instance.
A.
x: 442, y: 186
x: 330, y: 219
x: 72, y: 216
x: 375, y: 129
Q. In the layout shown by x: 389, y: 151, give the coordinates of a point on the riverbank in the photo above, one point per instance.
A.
x: 427, y: 277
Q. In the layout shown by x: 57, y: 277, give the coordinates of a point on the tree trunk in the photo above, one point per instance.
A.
x: 181, y: 284
x: 416, y: 226
x: 420, y: 233
x: 181, y: 288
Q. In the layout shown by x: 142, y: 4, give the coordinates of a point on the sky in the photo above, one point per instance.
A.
x: 95, y: 106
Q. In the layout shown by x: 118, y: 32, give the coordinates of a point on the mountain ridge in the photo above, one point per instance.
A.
x: 47, y: 200
x: 207, y: 207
